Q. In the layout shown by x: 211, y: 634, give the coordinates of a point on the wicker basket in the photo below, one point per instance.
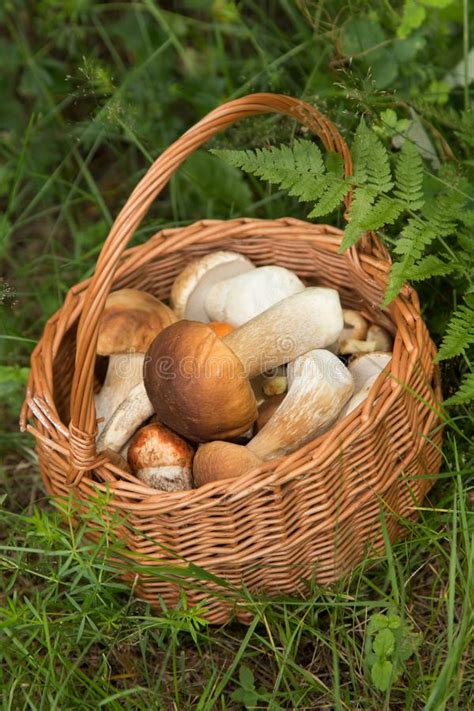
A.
x: 312, y: 515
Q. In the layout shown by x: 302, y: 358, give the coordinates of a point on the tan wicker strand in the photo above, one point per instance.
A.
x: 313, y: 514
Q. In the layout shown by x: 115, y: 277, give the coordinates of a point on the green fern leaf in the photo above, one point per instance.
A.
x: 299, y: 170
x: 396, y: 280
x: 371, y: 160
x: 428, y: 267
x: 383, y: 212
x: 459, y: 332
x: 336, y: 191
x: 409, y: 177
x: 362, y: 202
x: 465, y: 393
x: 414, y: 237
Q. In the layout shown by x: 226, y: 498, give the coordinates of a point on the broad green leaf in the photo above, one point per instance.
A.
x: 384, y: 69
x: 360, y: 35
x: 377, y: 622
x: 384, y: 643
x: 381, y: 674
x: 246, y: 677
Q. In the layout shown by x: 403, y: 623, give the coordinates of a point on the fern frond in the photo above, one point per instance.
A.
x: 383, y: 212
x: 362, y: 201
x: 365, y: 215
x: 465, y: 393
x: 428, y: 267
x: 371, y: 160
x: 396, y: 280
x: 459, y: 332
x: 409, y: 177
x: 442, y: 213
x: 332, y: 197
x: 414, y: 238
x: 300, y: 169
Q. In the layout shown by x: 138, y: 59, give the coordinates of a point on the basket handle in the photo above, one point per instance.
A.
x: 83, y: 425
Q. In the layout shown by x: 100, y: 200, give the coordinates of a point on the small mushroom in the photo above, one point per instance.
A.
x: 355, y: 327
x: 382, y: 339
x: 161, y: 459
x: 222, y: 460
x: 129, y: 323
x: 190, y: 288
x: 275, y: 383
x: 376, y: 339
x: 199, y: 384
x: 241, y: 298
x: 364, y: 370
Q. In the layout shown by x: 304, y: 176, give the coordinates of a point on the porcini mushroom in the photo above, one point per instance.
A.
x: 364, y: 370
x: 382, y: 339
x: 190, y: 288
x: 132, y: 412
x: 161, y: 458
x: 319, y: 385
x: 199, y: 384
x: 222, y: 460
x: 130, y: 321
x: 241, y: 298
x: 365, y: 366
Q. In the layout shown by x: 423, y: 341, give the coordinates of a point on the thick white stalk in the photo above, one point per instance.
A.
x: 300, y: 323
x: 123, y: 373
x: 127, y: 418
x: 319, y: 385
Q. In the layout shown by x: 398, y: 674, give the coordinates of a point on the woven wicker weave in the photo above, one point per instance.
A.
x: 311, y: 515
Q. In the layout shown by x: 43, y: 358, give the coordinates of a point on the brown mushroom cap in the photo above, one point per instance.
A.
x: 222, y: 460
x: 155, y: 445
x: 197, y: 385
x: 130, y: 321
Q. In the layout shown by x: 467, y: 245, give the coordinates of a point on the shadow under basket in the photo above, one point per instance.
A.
x: 308, y: 517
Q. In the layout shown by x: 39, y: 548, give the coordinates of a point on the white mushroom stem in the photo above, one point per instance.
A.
x: 352, y: 345
x: 243, y: 297
x: 298, y: 324
x: 123, y: 373
x: 319, y: 385
x: 127, y: 418
x: 364, y: 370
x: 365, y: 366
x: 359, y: 397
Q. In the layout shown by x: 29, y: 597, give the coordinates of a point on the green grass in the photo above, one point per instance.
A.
x: 90, y: 92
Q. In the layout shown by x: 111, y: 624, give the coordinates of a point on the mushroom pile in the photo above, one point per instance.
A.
x: 247, y: 364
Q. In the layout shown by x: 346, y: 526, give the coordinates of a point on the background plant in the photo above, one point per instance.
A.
x: 90, y: 93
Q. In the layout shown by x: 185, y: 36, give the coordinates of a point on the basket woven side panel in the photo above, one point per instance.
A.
x: 313, y: 515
